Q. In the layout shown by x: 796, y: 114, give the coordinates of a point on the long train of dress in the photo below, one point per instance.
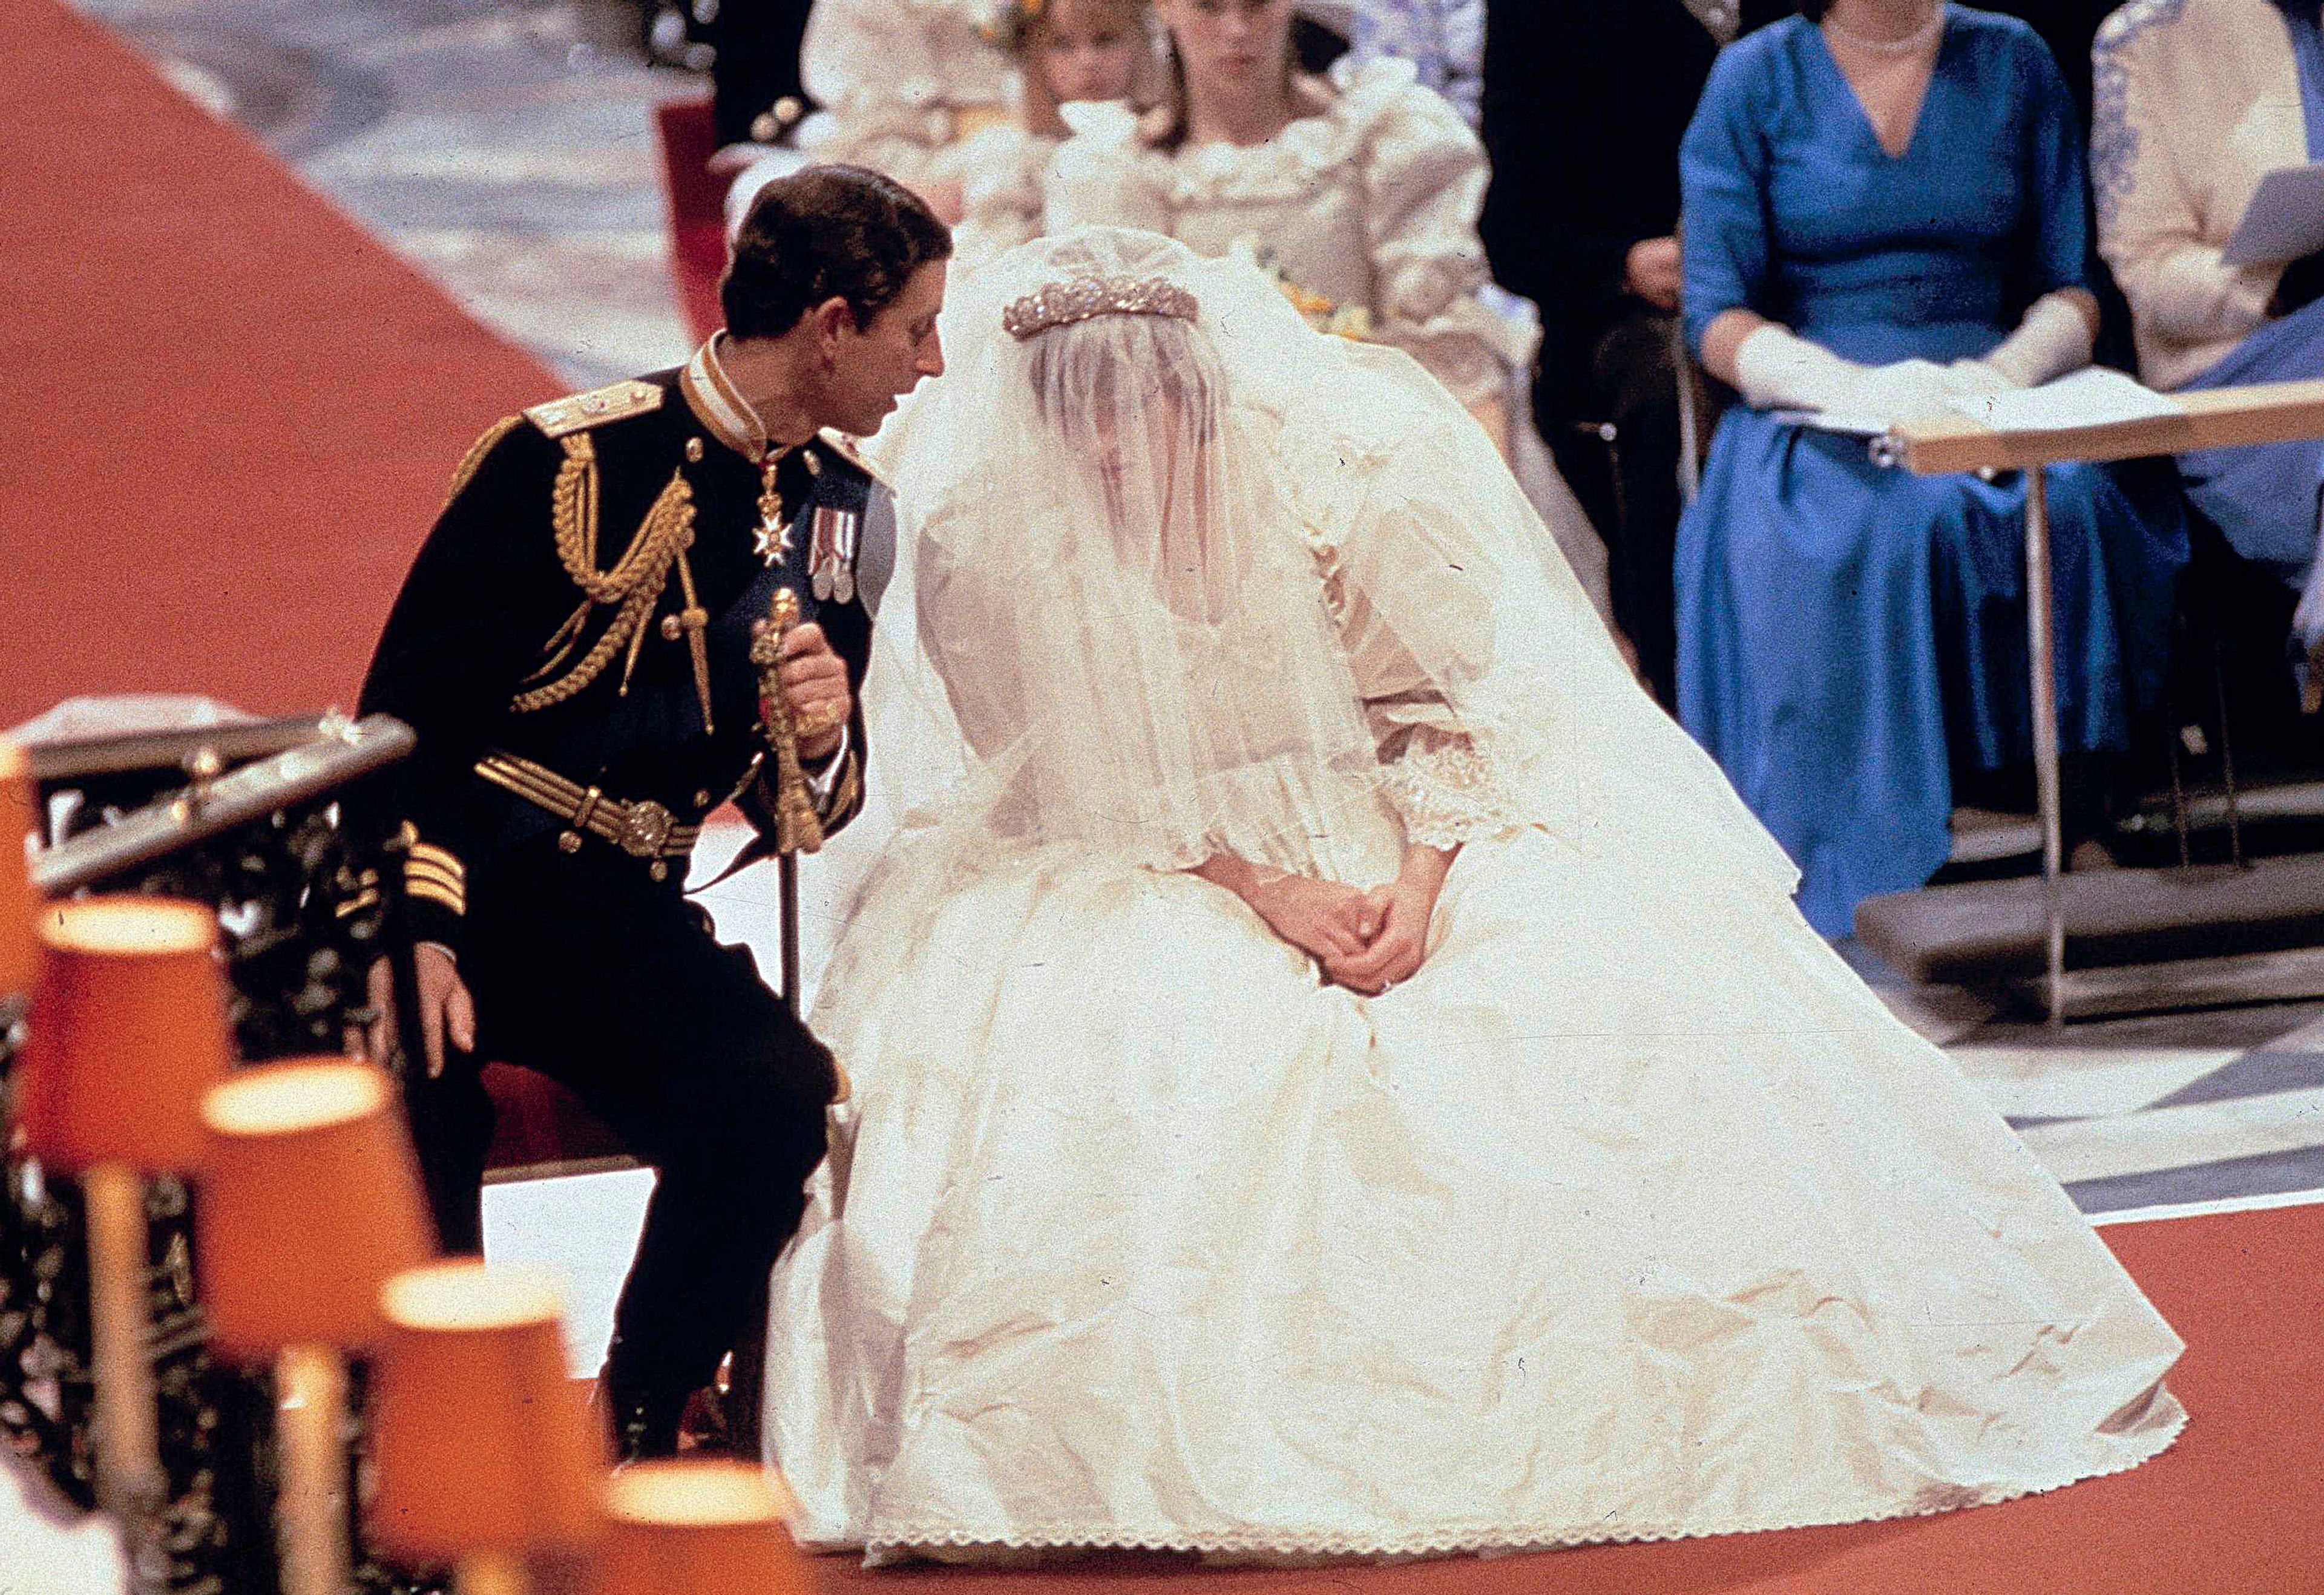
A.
x: 1632, y: 1215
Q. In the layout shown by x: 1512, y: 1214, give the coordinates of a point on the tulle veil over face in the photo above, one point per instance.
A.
x: 1169, y: 586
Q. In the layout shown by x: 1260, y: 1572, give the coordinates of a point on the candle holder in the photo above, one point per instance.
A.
x: 311, y: 1202
x: 484, y: 1449
x: 130, y: 1030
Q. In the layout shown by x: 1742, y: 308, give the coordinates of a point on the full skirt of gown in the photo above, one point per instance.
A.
x: 1633, y: 1214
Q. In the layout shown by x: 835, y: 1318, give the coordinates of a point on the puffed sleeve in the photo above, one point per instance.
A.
x: 1439, y: 778
x: 1423, y: 175
x: 1407, y: 592
x: 2150, y: 230
x: 1101, y: 176
x: 890, y: 75
x: 1723, y: 163
x: 1424, y: 180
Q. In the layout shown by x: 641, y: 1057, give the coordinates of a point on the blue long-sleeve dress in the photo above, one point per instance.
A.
x: 1847, y: 632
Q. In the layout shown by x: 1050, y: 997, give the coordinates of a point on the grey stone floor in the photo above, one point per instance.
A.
x: 506, y: 149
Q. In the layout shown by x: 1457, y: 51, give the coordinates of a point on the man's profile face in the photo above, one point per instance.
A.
x: 886, y: 360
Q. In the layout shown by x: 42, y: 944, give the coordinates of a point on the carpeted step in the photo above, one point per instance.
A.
x: 1994, y: 930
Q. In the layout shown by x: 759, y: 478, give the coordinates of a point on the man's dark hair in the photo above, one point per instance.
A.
x: 1812, y: 10
x: 826, y: 232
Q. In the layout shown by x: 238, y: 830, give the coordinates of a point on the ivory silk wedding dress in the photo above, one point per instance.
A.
x: 1631, y: 1214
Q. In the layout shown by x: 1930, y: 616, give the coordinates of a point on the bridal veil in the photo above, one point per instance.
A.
x: 1139, y: 553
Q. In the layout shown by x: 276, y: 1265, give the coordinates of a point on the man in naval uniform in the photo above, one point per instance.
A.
x: 574, y: 647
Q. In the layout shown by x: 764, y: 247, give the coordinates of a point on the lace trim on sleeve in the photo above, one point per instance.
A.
x: 1446, y: 790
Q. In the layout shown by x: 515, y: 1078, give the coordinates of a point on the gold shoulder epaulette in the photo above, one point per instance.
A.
x: 579, y: 412
x: 850, y: 450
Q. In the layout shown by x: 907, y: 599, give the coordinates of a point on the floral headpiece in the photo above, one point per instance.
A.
x: 1080, y: 299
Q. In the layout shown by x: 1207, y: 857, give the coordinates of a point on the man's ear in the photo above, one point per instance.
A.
x: 832, y: 317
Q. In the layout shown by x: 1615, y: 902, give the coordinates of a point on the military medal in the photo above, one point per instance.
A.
x: 831, y: 554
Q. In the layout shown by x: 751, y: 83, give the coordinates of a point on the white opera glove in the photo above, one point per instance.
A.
x: 1776, y: 369
x: 2053, y: 339
x: 1902, y: 390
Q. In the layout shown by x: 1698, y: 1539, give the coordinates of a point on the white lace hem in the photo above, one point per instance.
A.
x: 907, y: 1541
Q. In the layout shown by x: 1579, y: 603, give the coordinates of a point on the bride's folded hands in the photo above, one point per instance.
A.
x: 1366, y: 941
x: 1406, y: 909
x: 1323, y: 918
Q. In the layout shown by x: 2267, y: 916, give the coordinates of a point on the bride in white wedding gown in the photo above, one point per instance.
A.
x: 1622, y: 1211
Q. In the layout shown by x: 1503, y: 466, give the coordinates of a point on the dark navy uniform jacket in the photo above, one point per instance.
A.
x: 585, y: 603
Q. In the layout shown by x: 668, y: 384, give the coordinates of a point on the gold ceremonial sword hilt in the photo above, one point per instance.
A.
x: 797, y: 827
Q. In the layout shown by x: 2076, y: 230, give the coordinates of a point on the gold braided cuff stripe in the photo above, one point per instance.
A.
x: 422, y: 879
x: 428, y: 853
x: 434, y: 893
x: 419, y: 869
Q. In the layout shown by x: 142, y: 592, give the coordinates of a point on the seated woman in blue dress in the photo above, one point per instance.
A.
x: 2197, y: 102
x: 1884, y: 206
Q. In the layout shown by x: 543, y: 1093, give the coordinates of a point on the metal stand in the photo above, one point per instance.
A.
x: 1944, y: 443
x: 311, y: 1394
x: 746, y: 1377
x: 130, y: 1483
x: 2042, y: 646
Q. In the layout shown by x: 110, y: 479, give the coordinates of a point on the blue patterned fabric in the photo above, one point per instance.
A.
x: 2114, y: 136
x: 1444, y: 39
x: 1848, y: 634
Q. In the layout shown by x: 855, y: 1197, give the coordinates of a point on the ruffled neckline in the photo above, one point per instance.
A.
x: 1367, y: 94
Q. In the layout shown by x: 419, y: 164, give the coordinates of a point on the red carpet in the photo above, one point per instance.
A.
x: 230, y: 414
x: 2237, y: 1507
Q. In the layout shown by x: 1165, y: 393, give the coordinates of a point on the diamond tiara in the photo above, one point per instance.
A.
x: 1079, y: 299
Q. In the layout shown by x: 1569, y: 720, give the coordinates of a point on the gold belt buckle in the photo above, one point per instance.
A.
x: 645, y: 829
